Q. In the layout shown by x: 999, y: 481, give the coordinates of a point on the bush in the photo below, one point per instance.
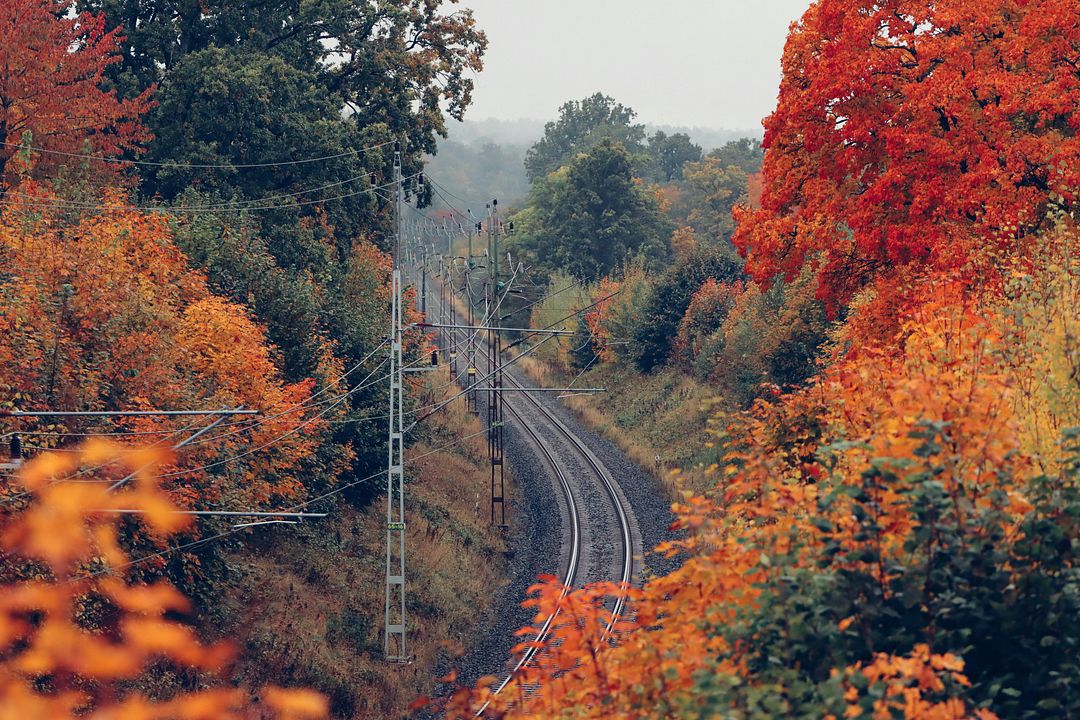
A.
x: 670, y: 298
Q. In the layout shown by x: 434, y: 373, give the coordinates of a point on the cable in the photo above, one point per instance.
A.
x: 449, y: 400
x: 308, y: 403
x: 87, y: 471
x: 545, y: 298
x: 244, y: 425
x: 440, y: 185
x: 269, y: 443
x: 336, y: 491
x: 212, y: 206
x: 174, y: 164
x: 195, y: 209
x: 578, y: 312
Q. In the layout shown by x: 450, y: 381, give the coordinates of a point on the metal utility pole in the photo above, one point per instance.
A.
x: 471, y: 404
x: 495, y: 396
x: 423, y: 287
x: 424, y: 257
x: 446, y: 265
x: 394, y: 618
x: 448, y: 303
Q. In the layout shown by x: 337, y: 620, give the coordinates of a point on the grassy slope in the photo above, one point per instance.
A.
x: 307, y: 607
x: 663, y: 414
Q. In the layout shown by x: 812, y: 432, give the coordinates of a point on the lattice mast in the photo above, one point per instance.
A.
x: 394, y: 647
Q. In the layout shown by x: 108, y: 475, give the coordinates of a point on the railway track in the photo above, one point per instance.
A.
x: 600, y: 535
x: 571, y: 495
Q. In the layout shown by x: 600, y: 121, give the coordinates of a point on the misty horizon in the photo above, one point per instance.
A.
x: 705, y: 64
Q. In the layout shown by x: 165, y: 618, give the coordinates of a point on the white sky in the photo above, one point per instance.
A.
x: 709, y: 63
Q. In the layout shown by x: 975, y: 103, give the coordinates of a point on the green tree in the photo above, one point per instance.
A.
x: 273, y: 82
x: 592, y: 216
x: 397, y: 63
x: 713, y: 190
x: 745, y: 153
x: 669, y: 153
x: 239, y: 265
x: 581, y: 125
x: 225, y: 107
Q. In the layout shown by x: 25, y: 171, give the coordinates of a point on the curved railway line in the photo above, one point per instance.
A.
x: 572, y: 506
x: 600, y: 535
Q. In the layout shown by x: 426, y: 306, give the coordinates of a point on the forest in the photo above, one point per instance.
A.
x: 852, y: 345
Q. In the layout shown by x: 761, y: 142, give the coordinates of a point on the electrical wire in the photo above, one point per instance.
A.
x: 86, y: 471
x: 307, y: 403
x: 438, y: 184
x: 232, y: 531
x: 168, y: 209
x: 199, y: 166
x: 240, y: 204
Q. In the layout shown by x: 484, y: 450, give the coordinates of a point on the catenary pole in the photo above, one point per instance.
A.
x: 394, y: 647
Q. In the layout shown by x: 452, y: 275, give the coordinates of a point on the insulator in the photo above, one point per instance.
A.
x: 16, y: 447
x: 397, y: 146
x: 434, y: 358
x: 421, y: 180
x: 374, y: 180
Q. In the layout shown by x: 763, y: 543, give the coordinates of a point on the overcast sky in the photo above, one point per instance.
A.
x: 710, y: 63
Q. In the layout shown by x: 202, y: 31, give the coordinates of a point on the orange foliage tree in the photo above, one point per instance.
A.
x: 76, y: 634
x: 102, y: 312
x: 709, y: 308
x: 52, y: 66
x: 683, y: 242
x: 605, y: 298
x: 880, y: 544
x: 911, y: 133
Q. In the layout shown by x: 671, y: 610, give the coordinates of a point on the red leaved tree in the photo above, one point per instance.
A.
x: 52, y: 64
x: 915, y: 133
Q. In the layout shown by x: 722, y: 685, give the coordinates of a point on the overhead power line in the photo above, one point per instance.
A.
x: 295, y: 508
x: 197, y: 166
x: 442, y: 187
x: 33, y: 201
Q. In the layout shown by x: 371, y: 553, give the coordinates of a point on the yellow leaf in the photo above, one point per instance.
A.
x: 296, y: 704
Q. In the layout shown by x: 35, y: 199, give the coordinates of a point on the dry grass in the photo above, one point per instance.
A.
x: 664, y: 414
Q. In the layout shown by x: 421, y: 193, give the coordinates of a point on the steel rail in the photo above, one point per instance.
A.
x: 620, y: 512
x: 572, y: 561
x: 572, y: 564
x: 575, y: 529
x: 609, y: 486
